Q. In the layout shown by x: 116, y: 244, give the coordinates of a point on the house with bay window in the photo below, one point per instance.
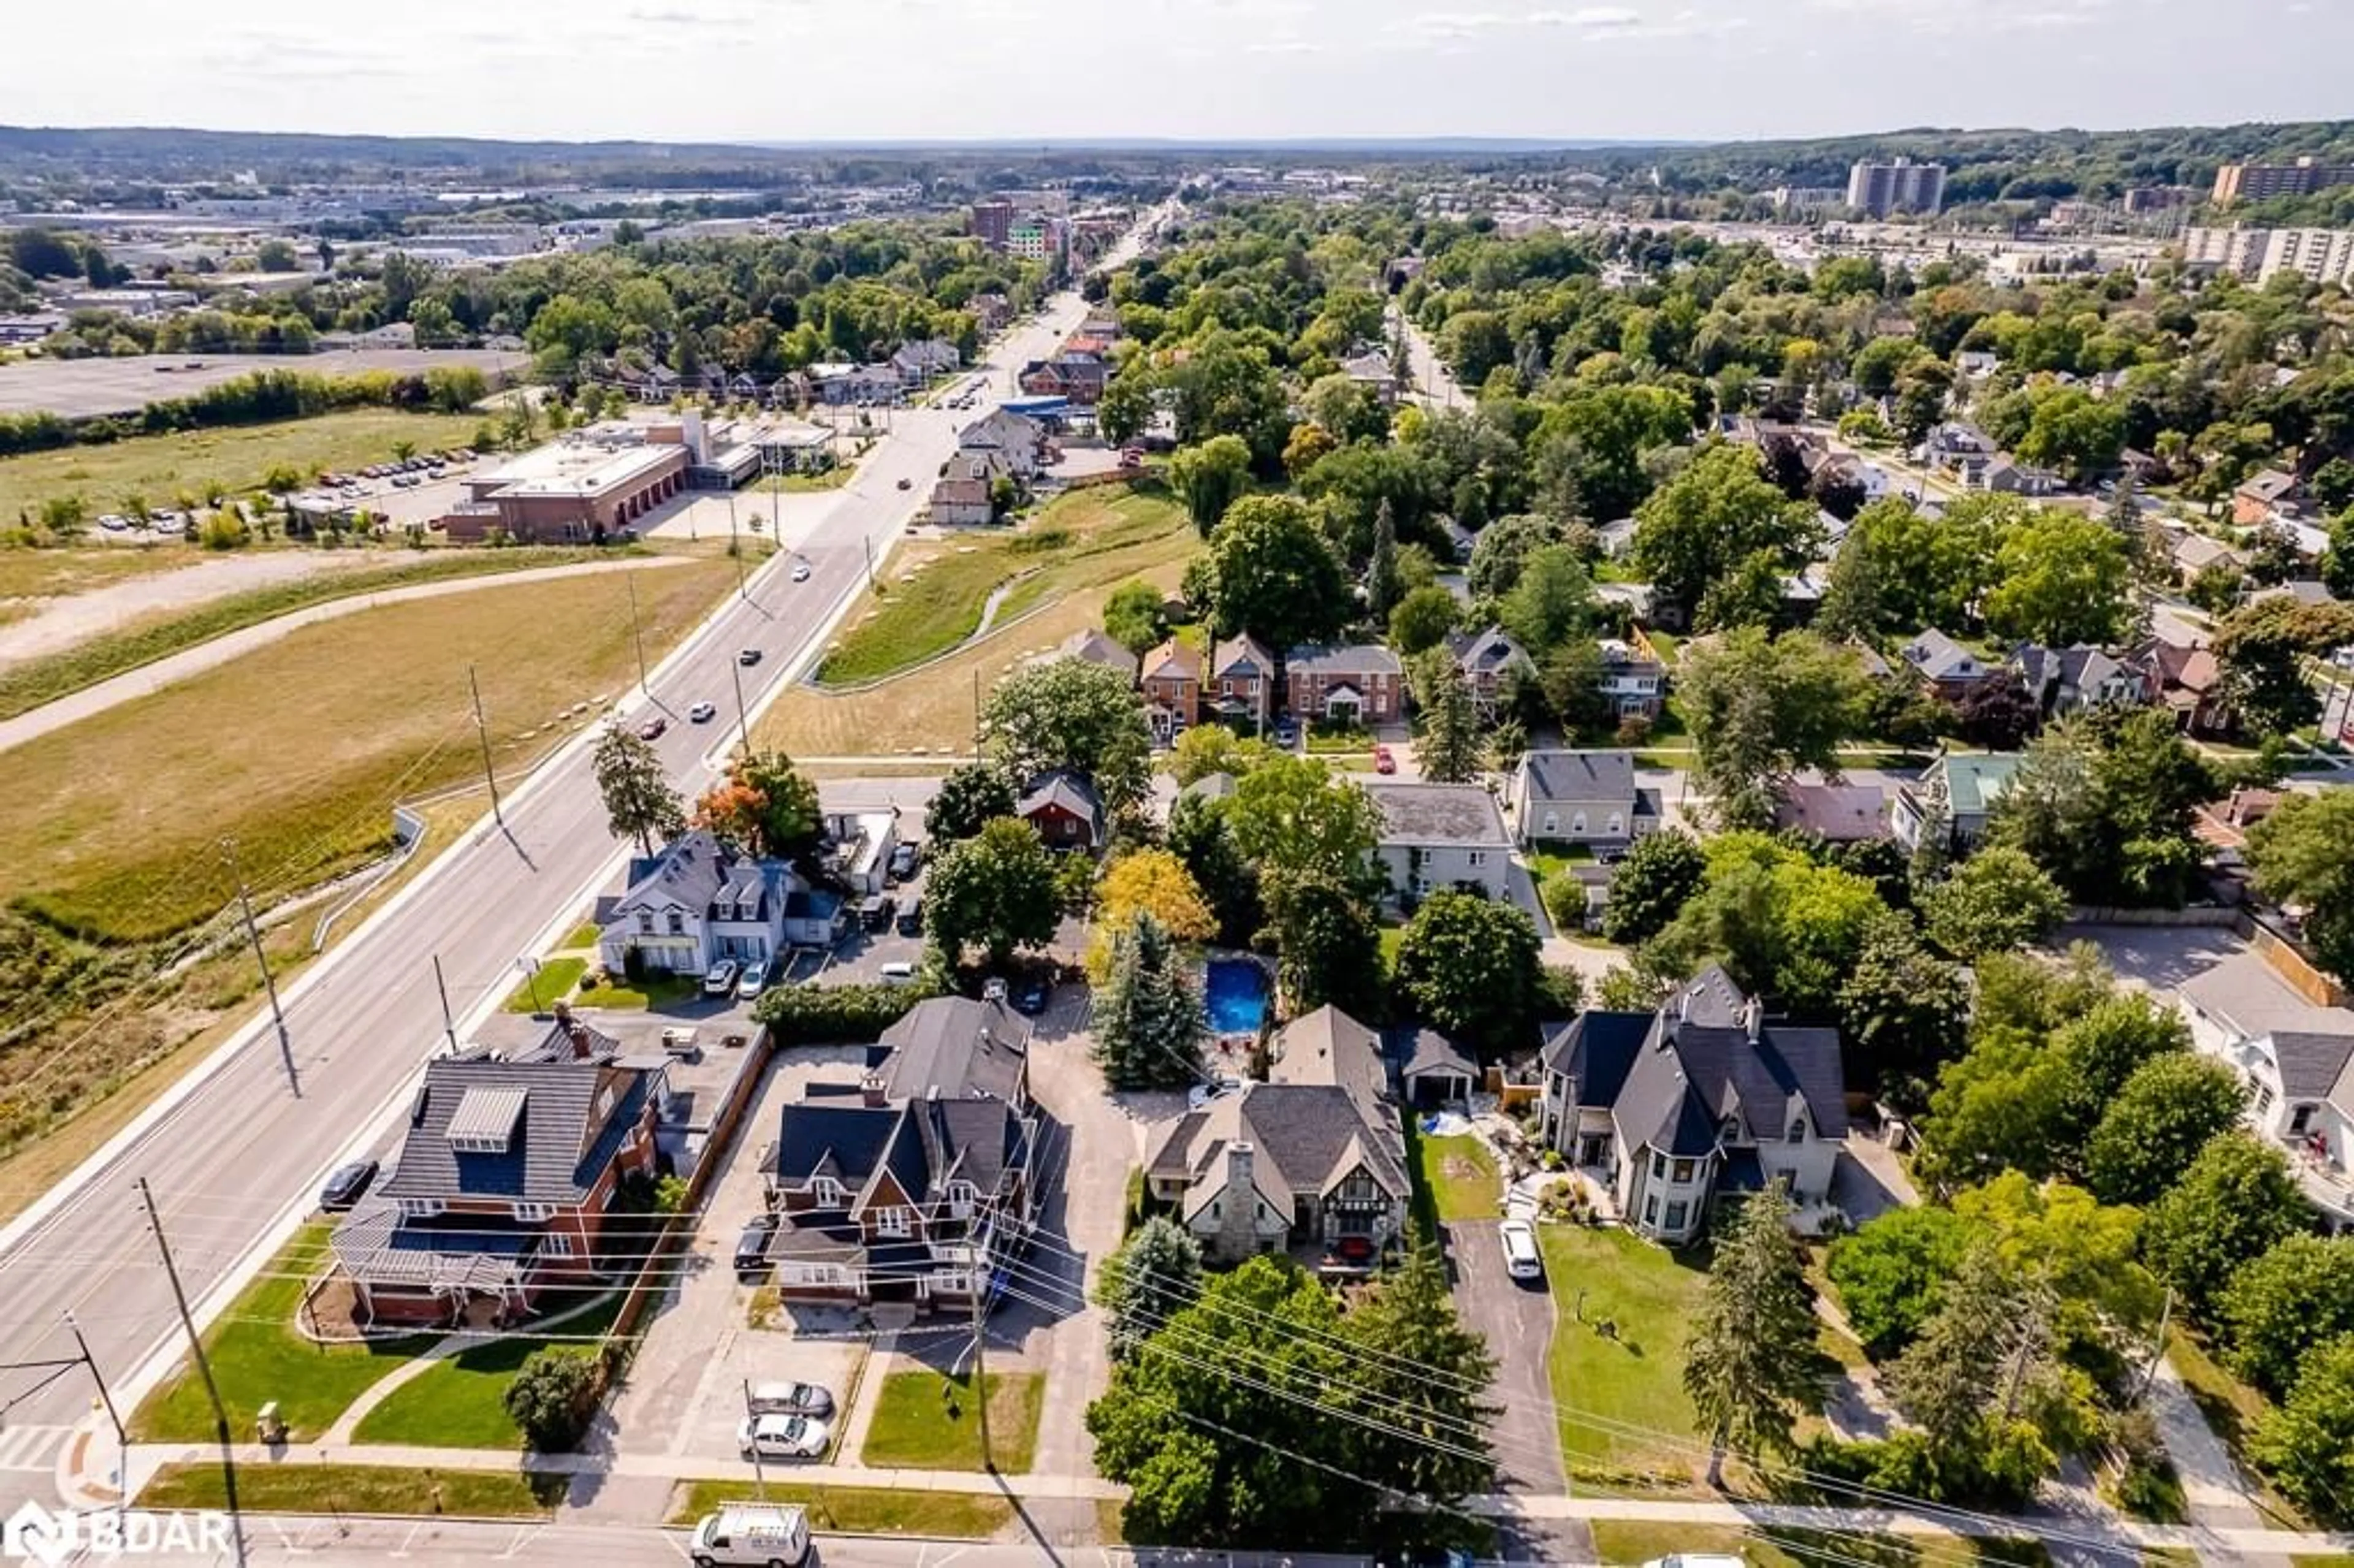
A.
x: 507, y: 1183
x: 906, y: 1188
x: 1311, y: 1162
x: 1674, y: 1111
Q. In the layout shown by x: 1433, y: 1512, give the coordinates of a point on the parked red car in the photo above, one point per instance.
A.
x: 1383, y: 761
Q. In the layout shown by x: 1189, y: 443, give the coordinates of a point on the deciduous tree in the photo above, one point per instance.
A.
x: 1329, y: 950
x: 1071, y: 713
x: 2163, y: 1115
x: 1270, y: 573
x: 1297, y: 819
x: 765, y: 804
x: 2060, y: 578
x: 1652, y: 884
x: 969, y: 796
x: 1759, y: 709
x: 1210, y: 478
x: 2307, y: 1445
x: 1200, y: 838
x: 1997, y: 901
x: 2302, y: 852
x: 995, y: 891
x: 1713, y: 517
x: 2297, y: 1294
x: 2236, y: 1202
x: 1468, y: 965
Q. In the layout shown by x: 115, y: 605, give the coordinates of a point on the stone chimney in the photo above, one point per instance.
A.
x: 1753, y: 1018
x: 1238, y: 1236
x: 870, y: 1091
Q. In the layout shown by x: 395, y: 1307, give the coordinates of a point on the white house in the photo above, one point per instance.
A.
x: 1439, y: 836
x: 699, y: 900
x: 1581, y: 798
x: 1015, y: 443
x: 920, y: 361
x: 1671, y: 1110
x: 2298, y: 1061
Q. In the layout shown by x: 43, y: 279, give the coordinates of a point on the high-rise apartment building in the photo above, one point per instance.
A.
x: 2317, y: 255
x: 2257, y: 182
x: 992, y: 223
x: 1878, y: 189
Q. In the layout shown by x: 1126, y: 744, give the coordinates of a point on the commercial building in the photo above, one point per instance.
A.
x: 993, y: 221
x: 602, y: 480
x: 2259, y: 182
x: 1879, y: 189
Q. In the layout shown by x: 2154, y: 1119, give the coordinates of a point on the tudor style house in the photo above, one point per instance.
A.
x: 1311, y: 1161
x: 1580, y: 798
x: 506, y: 1183
x: 1673, y: 1110
x: 909, y: 1188
x: 699, y: 900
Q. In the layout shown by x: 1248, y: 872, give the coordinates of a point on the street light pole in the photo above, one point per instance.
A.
x: 262, y: 958
x: 638, y: 633
x: 742, y: 724
x: 530, y: 968
x: 735, y: 547
x: 483, y: 730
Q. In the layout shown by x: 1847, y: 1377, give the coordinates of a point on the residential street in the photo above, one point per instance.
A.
x: 237, y: 1151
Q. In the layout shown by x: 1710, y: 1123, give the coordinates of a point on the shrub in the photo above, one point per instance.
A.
x: 1564, y: 902
x: 840, y: 1015
x: 1634, y: 729
x: 552, y: 1398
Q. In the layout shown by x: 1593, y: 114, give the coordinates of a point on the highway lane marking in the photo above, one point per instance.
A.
x: 31, y: 1450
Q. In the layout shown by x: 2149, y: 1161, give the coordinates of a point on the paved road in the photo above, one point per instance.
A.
x: 1433, y: 384
x: 79, y: 705
x: 236, y: 1151
x: 324, y: 1544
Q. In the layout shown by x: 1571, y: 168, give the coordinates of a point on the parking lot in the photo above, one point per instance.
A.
x: 81, y: 389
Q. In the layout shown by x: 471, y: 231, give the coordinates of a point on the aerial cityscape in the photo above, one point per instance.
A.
x: 1385, y: 802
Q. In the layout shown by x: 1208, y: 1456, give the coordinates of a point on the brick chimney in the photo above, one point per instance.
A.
x: 1238, y: 1236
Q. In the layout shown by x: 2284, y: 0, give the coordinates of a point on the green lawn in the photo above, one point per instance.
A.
x: 553, y: 983
x: 159, y: 467
x: 358, y: 1488
x: 834, y: 478
x: 29, y: 685
x: 2233, y: 1409
x: 1635, y: 1378
x: 258, y: 1355
x: 1553, y: 860
x: 858, y: 1511
x: 917, y: 1427
x: 1461, y: 1175
x: 1618, y: 1541
x: 1089, y: 538
x: 637, y: 996
x: 584, y: 935
x: 460, y: 1403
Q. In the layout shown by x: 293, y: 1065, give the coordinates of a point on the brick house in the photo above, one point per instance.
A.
x: 910, y: 1188
x: 1171, y: 679
x: 1242, y: 683
x: 505, y: 1184
x: 1360, y: 684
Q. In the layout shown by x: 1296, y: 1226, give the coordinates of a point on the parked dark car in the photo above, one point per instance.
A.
x: 911, y: 918
x: 904, y: 860
x: 752, y: 1246
x: 345, y: 1186
x: 1030, y: 993
x: 875, y: 914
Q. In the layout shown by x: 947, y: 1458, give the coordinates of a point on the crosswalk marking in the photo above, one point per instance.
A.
x: 31, y: 1450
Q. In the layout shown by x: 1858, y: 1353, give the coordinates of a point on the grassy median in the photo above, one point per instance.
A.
x: 856, y: 1510
x: 358, y: 1488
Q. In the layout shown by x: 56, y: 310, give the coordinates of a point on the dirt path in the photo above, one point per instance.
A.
x: 153, y: 677
x: 62, y: 621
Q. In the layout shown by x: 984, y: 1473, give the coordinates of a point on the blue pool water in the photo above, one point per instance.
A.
x: 1234, y: 995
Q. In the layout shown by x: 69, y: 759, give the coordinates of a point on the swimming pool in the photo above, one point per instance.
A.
x: 1234, y: 996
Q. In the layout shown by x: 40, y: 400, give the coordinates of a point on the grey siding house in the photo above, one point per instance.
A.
x: 1581, y: 798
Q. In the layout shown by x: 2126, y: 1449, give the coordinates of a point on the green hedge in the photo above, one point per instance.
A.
x: 835, y: 1015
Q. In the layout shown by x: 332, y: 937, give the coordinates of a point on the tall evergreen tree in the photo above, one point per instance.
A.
x: 1383, y: 583
x: 1449, y: 750
x: 639, y: 800
x: 1750, y: 1366
x: 1155, y: 1275
x: 1404, y: 1334
x: 1147, y: 1021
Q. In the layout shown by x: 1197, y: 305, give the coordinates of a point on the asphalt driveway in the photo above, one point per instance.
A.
x: 1517, y: 1318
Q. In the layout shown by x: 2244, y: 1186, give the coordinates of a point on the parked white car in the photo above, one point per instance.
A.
x: 720, y: 977
x: 779, y: 1437
x: 1522, y: 1259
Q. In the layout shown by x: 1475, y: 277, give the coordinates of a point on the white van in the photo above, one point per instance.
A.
x: 753, y: 1535
x: 898, y: 972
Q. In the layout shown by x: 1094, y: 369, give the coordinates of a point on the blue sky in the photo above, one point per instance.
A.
x: 873, y: 69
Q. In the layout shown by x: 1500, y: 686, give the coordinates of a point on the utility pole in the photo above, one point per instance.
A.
x: 735, y: 547
x: 448, y: 1024
x: 743, y: 724
x: 260, y: 957
x: 203, y: 1370
x: 976, y: 711
x: 980, y: 1356
x: 482, y: 731
x: 759, y: 1475
x: 121, y: 1438
x: 638, y: 633
x: 868, y: 540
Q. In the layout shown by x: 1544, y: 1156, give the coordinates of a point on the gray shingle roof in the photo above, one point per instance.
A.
x: 2311, y: 1065
x: 1595, y: 1049
x: 1579, y: 774
x: 1342, y: 659
x: 1687, y: 1077
x: 1490, y: 652
x: 957, y: 1046
x: 690, y: 869
x: 1428, y: 1051
x: 1938, y: 656
x: 1416, y: 813
x: 564, y: 1135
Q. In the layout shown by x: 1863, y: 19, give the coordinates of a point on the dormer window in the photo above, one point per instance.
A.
x: 1798, y: 1129
x: 645, y: 922
x: 828, y: 1192
x: 677, y: 922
